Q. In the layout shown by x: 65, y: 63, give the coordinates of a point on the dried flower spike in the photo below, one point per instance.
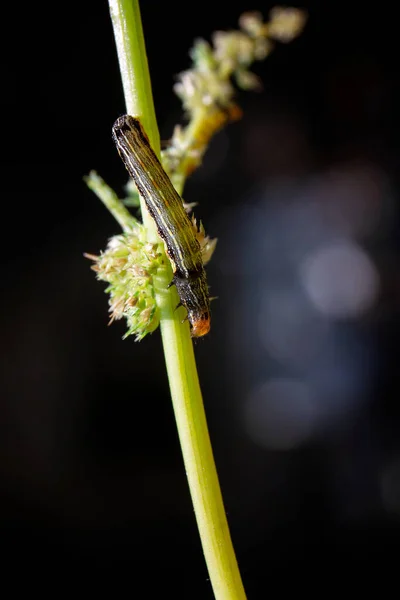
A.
x: 206, y: 90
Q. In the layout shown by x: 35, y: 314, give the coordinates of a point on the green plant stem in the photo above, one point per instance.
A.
x: 132, y: 57
x: 178, y: 348
x: 110, y: 200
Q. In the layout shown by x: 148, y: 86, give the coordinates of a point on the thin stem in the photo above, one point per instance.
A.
x: 128, y: 33
x: 178, y: 348
x: 110, y: 200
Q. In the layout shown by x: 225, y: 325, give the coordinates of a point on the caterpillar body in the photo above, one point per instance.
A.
x: 173, y: 224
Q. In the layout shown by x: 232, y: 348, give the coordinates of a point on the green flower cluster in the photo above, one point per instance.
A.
x: 128, y: 265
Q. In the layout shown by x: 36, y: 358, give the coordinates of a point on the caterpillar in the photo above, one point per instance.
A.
x: 172, y: 222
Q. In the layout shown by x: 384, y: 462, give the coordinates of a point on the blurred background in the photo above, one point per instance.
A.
x: 300, y: 370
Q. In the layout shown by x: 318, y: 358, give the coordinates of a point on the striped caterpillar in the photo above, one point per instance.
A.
x: 173, y: 224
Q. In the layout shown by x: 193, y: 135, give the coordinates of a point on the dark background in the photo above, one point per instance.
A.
x: 305, y: 425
